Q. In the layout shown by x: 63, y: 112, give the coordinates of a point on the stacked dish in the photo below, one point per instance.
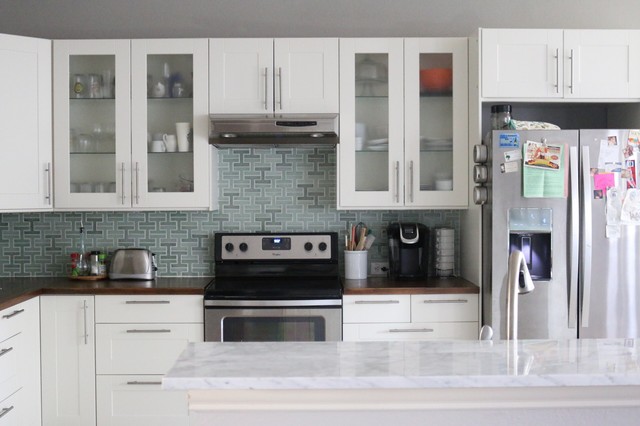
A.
x: 445, y: 251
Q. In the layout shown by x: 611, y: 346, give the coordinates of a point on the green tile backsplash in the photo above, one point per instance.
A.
x: 277, y: 189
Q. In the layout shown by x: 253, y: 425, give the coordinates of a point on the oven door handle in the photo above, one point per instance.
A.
x: 271, y: 303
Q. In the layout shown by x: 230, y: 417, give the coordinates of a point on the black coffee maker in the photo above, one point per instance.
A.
x: 408, y: 250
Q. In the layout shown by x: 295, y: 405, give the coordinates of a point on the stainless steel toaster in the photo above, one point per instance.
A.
x: 132, y: 264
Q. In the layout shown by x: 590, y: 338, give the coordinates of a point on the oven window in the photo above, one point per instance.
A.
x: 273, y: 329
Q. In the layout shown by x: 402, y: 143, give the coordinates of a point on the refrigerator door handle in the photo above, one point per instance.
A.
x: 575, y: 234
x: 586, y: 237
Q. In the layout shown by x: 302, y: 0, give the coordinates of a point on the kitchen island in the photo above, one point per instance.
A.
x: 439, y: 382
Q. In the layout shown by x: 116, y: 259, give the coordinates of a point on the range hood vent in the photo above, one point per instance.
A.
x: 301, y: 130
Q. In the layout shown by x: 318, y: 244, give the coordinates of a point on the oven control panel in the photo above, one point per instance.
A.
x: 273, y: 246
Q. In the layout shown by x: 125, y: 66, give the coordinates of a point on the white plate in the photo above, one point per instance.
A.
x: 378, y: 141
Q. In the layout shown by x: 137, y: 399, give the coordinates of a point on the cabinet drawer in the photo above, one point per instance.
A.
x: 444, y: 307
x: 12, y: 319
x: 149, y: 308
x: 142, y: 348
x: 412, y: 331
x: 11, y: 350
x: 376, y: 308
x: 12, y: 410
x: 139, y: 400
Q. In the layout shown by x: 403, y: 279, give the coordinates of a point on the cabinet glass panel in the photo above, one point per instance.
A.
x: 92, y: 123
x: 372, y: 122
x: 170, y: 123
x: 436, y: 122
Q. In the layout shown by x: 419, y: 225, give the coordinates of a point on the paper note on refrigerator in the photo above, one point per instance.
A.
x: 609, y: 153
x: 546, y: 182
x: 631, y: 207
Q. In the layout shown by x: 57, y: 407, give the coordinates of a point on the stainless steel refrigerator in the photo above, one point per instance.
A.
x: 567, y: 199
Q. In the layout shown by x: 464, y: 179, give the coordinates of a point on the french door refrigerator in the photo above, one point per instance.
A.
x: 568, y: 200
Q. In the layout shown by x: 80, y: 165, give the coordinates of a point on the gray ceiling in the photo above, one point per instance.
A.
x: 57, y: 19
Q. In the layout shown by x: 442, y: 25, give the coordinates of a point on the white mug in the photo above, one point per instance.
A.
x: 170, y: 142
x: 182, y: 132
x: 158, y: 146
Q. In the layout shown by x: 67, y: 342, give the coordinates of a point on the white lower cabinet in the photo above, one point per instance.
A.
x: 138, y: 338
x: 125, y: 400
x: 20, y: 364
x: 68, y: 360
x: 410, y: 317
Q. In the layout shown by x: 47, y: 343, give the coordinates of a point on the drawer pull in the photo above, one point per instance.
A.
x: 136, y: 382
x: 162, y: 330
x: 13, y: 314
x: 447, y: 301
x: 147, y: 302
x: 6, y: 351
x: 411, y: 330
x: 376, y: 302
x: 5, y: 411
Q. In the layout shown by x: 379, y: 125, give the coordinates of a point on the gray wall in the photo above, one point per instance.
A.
x: 302, y: 18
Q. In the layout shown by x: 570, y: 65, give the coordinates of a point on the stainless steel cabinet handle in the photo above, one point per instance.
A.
x: 446, y: 301
x: 5, y: 411
x: 411, y: 181
x: 136, y: 382
x: 280, y: 87
x: 574, y: 236
x: 266, y: 88
x: 122, y: 176
x: 48, y: 196
x: 147, y: 302
x: 571, y: 76
x: 557, y: 58
x: 161, y: 330
x: 411, y: 330
x: 137, y: 183
x: 397, y: 181
x: 5, y: 351
x: 587, y: 241
x: 86, y: 333
x: 13, y: 314
x: 376, y: 302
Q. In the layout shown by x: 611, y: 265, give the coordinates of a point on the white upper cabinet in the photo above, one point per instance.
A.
x: 552, y: 63
x: 403, y: 123
x: 118, y: 144
x: 258, y: 76
x: 25, y: 124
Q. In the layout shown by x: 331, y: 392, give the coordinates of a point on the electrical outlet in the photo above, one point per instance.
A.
x: 379, y: 268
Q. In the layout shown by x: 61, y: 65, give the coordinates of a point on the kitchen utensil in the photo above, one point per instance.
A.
x: 355, y: 264
x: 436, y: 80
x: 94, y: 86
x: 79, y: 86
x: 170, y: 142
x: 108, y: 84
x: 157, y: 146
x: 182, y: 133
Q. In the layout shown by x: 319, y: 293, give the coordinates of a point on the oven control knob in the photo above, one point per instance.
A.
x: 243, y: 247
x: 228, y: 247
x: 308, y: 246
x: 322, y: 246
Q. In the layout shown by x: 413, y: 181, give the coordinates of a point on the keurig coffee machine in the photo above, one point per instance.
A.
x: 408, y: 250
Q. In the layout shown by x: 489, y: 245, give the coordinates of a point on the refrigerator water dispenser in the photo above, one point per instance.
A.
x: 530, y: 232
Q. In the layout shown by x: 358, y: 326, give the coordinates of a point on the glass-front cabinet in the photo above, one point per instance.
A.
x: 131, y: 124
x: 403, y: 123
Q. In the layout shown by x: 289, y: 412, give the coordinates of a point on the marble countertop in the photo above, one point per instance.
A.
x: 402, y: 365
x: 16, y: 290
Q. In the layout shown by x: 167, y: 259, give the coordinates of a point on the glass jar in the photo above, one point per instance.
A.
x: 500, y: 117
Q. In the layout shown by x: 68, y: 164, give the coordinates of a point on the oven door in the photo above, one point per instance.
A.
x: 272, y: 324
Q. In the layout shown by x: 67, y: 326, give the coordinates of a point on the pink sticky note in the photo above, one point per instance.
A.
x: 603, y: 181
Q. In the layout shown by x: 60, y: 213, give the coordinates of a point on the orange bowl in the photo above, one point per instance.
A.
x: 436, y: 79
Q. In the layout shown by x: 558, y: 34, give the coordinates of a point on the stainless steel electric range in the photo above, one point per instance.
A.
x: 274, y: 287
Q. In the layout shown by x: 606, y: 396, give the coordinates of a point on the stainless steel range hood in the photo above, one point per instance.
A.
x: 309, y: 130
